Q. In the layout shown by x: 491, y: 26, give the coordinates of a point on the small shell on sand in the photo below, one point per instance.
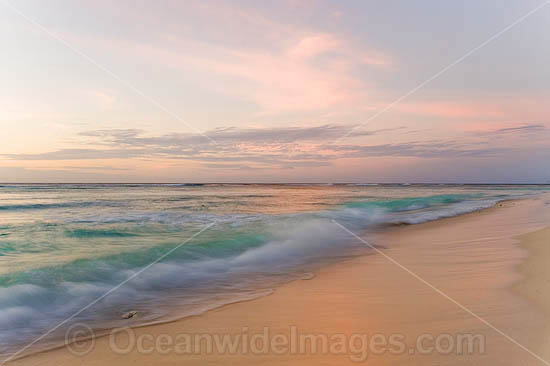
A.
x: 129, y: 315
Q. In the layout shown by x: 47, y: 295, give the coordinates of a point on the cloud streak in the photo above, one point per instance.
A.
x: 262, y: 148
x: 524, y: 129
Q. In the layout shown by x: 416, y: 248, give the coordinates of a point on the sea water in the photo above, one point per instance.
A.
x: 88, y: 253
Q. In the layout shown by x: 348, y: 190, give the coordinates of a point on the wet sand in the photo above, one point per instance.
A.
x: 483, y: 275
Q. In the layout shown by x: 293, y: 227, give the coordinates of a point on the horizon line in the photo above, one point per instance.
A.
x: 285, y: 183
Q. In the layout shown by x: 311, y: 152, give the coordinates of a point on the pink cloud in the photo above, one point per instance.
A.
x: 483, y: 113
x: 280, y: 80
x: 294, y: 69
x: 313, y: 45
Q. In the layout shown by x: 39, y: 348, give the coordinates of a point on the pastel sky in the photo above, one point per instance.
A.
x: 274, y: 91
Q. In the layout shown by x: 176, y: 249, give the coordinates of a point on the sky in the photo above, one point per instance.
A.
x: 275, y: 91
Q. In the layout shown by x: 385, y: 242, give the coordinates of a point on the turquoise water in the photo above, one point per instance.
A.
x: 63, y: 246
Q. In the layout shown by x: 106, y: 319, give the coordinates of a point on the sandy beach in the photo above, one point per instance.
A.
x: 483, y: 275
x: 270, y: 183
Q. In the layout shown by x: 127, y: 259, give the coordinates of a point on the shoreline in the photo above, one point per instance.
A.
x: 291, y: 290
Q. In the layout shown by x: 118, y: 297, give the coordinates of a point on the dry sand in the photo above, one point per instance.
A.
x: 455, y: 276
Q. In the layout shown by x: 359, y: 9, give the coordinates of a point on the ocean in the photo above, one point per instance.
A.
x: 181, y: 249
